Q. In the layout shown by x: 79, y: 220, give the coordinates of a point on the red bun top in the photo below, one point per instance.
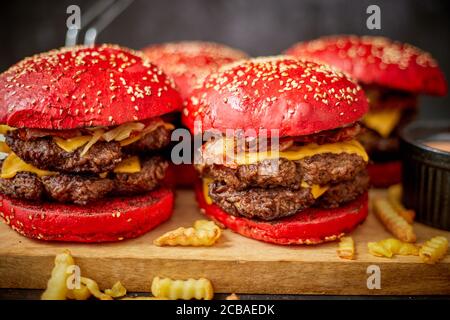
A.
x: 189, y: 62
x: 377, y: 60
x: 296, y: 97
x: 84, y: 87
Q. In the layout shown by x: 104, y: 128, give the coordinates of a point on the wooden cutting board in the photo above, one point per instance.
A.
x: 235, y: 264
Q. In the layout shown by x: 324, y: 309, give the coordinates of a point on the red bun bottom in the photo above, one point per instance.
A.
x: 311, y: 226
x: 383, y: 175
x: 107, y: 220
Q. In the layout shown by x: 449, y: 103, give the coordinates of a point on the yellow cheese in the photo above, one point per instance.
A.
x: 72, y: 144
x: 130, y: 165
x: 4, y: 129
x: 300, y: 152
x: 382, y: 121
x: 4, y: 147
x: 206, y: 182
x: 13, y: 165
x: 316, y: 190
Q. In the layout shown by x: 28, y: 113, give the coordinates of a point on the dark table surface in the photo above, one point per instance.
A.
x: 27, y: 294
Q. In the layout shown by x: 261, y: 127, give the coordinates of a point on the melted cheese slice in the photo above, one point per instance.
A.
x: 13, y: 165
x: 206, y: 182
x: 4, y: 129
x: 316, y: 190
x: 383, y: 121
x: 297, y: 153
x: 130, y: 165
x: 4, y: 147
x: 72, y: 144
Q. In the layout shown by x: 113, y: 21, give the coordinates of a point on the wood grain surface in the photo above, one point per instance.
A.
x: 235, y: 264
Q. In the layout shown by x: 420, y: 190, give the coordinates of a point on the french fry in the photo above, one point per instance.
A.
x: 94, y: 290
x: 182, y: 289
x: 396, y: 224
x: 232, y: 296
x: 204, y: 233
x: 346, y: 248
x: 390, y: 247
x: 434, y: 250
x: 57, y: 284
x: 117, y: 291
x: 82, y: 293
x: 395, y: 199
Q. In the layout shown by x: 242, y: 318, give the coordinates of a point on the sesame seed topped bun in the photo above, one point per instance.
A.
x: 377, y: 60
x: 82, y: 86
x: 189, y: 62
x: 295, y: 97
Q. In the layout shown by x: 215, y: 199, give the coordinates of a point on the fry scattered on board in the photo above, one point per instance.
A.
x: 81, y: 293
x: 182, y: 289
x: 390, y: 247
x: 394, y: 196
x: 57, y: 284
x: 346, y: 248
x: 232, y: 296
x: 204, y: 233
x: 396, y: 224
x: 434, y: 250
x: 117, y: 290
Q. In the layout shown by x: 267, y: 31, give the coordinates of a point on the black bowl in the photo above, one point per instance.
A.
x: 426, y: 172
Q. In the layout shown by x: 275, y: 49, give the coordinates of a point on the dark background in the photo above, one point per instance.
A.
x: 259, y: 27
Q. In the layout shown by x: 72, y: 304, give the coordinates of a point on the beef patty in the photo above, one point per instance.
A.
x: 45, y: 154
x: 265, y: 204
x: 278, y: 202
x: 319, y: 169
x: 82, y: 188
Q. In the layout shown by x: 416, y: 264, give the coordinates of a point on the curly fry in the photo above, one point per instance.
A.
x: 434, y: 250
x: 346, y: 248
x: 390, y: 247
x: 94, y: 290
x: 185, y: 290
x: 396, y: 224
x: 204, y: 233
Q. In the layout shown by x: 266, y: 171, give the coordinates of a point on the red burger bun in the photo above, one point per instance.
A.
x: 385, y: 174
x: 107, y: 220
x: 283, y: 93
x: 189, y: 62
x: 82, y: 86
x: 377, y: 60
x: 311, y: 226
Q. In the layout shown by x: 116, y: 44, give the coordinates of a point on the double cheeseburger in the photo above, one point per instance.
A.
x: 83, y: 128
x: 317, y: 190
x: 188, y: 63
x: 392, y: 75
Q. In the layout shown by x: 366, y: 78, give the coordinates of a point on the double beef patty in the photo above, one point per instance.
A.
x: 257, y: 191
x: 45, y: 154
x: 82, y: 189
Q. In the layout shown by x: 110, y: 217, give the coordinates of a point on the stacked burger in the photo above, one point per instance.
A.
x: 83, y: 128
x: 188, y: 63
x: 308, y: 183
x: 392, y: 75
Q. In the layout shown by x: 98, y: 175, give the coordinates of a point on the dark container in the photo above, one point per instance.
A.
x: 426, y: 172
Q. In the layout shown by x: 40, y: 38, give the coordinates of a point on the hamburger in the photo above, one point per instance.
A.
x: 188, y: 63
x: 83, y: 130
x: 317, y: 190
x: 392, y: 75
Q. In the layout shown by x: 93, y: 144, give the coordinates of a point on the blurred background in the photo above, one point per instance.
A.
x: 259, y: 27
